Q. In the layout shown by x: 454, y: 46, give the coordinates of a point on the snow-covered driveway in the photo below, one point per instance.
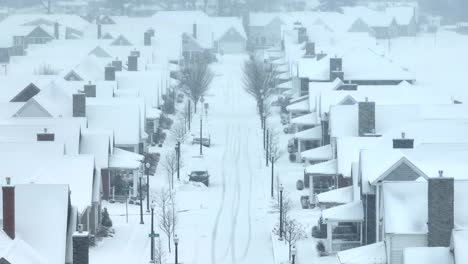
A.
x: 229, y: 223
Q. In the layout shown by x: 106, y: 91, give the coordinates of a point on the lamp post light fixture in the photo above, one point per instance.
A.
x: 140, y: 189
x: 153, y: 205
x: 281, y: 212
x: 176, y: 243
x: 147, y: 167
x: 293, y: 254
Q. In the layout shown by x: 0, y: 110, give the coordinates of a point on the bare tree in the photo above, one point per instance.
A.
x: 287, y: 204
x: 274, y: 147
x: 46, y: 69
x: 179, y: 131
x: 293, y: 231
x: 169, y: 165
x: 166, y: 213
x: 196, y: 79
x: 258, y: 79
x: 159, y: 254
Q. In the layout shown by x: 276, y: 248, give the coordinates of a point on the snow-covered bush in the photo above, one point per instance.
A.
x: 321, y: 248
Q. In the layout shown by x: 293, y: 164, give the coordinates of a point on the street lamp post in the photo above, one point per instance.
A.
x: 201, y: 133
x: 153, y: 205
x: 272, y: 173
x: 293, y: 254
x: 267, y: 146
x: 176, y: 243
x: 147, y: 166
x: 189, y: 113
x: 281, y: 212
x: 177, y: 148
x: 140, y: 177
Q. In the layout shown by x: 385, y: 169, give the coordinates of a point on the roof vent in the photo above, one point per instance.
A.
x: 403, y: 135
x: 441, y: 173
x: 8, y: 180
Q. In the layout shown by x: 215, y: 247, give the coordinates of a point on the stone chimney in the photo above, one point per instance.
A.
x: 194, y: 31
x: 366, y: 118
x: 109, y: 73
x: 99, y: 30
x: 304, y: 85
x: 302, y: 35
x: 56, y: 30
x: 440, y: 200
x: 45, y: 136
x: 80, y: 246
x: 117, y: 64
x: 147, y: 38
x: 90, y: 90
x: 8, y: 191
x: 403, y: 142
x: 310, y: 50
x: 79, y: 105
x: 132, y: 63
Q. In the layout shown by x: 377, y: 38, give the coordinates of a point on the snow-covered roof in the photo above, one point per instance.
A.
x: 327, y: 167
x: 350, y: 212
x: 341, y: 195
x: 405, y: 207
x: 98, y: 143
x: 123, y: 159
x: 369, y: 254
x: 43, y: 147
x: 460, y: 244
x: 301, y: 106
x: 357, y: 64
x: 124, y: 118
x: 428, y: 255
x: 348, y: 149
x: 321, y: 153
x: 39, y: 216
x: 66, y: 130
x: 307, y: 119
x: 314, y: 133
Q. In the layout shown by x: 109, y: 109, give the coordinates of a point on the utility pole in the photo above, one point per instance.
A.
x: 267, y: 146
x: 272, y: 173
x: 178, y: 159
x: 201, y: 134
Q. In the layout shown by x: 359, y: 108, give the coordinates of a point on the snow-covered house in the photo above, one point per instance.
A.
x: 264, y: 30
x: 229, y: 35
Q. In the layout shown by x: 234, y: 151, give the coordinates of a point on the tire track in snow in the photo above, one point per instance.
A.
x: 236, y: 196
x: 223, y: 196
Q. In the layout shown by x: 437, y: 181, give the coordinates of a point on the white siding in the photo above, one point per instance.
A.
x: 398, y: 242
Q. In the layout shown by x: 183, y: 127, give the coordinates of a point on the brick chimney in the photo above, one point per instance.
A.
x: 109, y: 73
x: 194, y: 31
x: 310, y: 50
x: 366, y: 118
x: 8, y: 191
x: 79, y: 105
x: 147, y: 38
x: 117, y: 64
x: 132, y: 63
x: 90, y: 90
x: 440, y: 200
x: 152, y: 32
x: 99, y: 30
x: 403, y: 142
x: 302, y: 35
x: 336, y: 68
x: 45, y: 136
x: 56, y: 30
x: 135, y: 53
x: 80, y: 246
x: 304, y: 85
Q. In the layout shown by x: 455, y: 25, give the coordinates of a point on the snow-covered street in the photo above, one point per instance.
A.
x: 230, y: 221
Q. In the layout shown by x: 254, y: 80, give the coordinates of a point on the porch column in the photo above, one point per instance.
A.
x: 329, y: 237
x: 377, y: 213
x: 311, y: 189
x: 135, y: 183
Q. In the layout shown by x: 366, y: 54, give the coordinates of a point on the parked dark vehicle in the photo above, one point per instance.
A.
x: 206, y: 141
x: 200, y: 176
